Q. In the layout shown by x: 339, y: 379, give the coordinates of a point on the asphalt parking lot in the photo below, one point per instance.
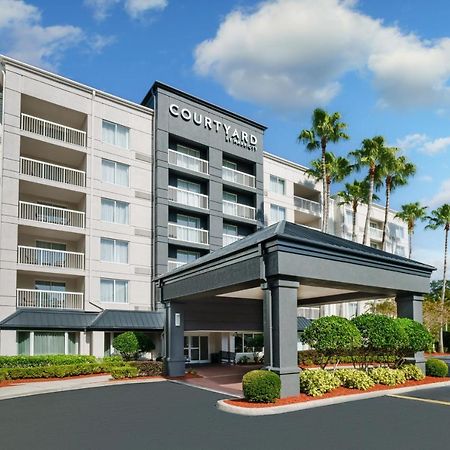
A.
x: 171, y: 416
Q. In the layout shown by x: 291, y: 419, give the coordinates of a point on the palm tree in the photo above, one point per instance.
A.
x: 440, y: 218
x: 395, y: 172
x: 371, y: 154
x: 325, y: 128
x: 337, y: 169
x: 355, y: 194
x: 411, y: 213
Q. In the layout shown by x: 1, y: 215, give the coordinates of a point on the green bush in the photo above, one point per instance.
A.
x: 44, y: 360
x: 387, y: 376
x: 331, y: 336
x: 127, y: 344
x: 318, y: 382
x: 417, y: 337
x: 115, y: 360
x: 148, y: 368
x: 412, y: 372
x: 311, y: 357
x: 261, y: 386
x: 354, y: 379
x: 124, y: 372
x: 436, y: 368
x: 145, y: 342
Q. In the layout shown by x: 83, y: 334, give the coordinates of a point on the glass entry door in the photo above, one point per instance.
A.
x: 196, y: 349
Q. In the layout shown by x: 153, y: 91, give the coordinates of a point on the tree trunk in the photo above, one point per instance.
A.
x: 366, y: 237
x: 324, y: 188
x: 410, y: 233
x: 444, y: 285
x: 328, y: 201
x: 355, y: 210
x: 386, y: 212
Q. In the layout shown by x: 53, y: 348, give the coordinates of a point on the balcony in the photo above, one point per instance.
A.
x: 230, y: 238
x: 235, y: 176
x: 33, y: 298
x: 51, y: 214
x: 188, y: 234
x: 50, y: 258
x: 52, y: 172
x: 188, y: 198
x: 53, y: 130
x: 239, y: 210
x: 309, y: 206
x: 376, y: 233
x: 188, y: 162
x: 172, y: 264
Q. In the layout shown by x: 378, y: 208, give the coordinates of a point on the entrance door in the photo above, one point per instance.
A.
x: 196, y: 349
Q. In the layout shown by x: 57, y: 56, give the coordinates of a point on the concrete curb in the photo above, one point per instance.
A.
x: 270, y: 410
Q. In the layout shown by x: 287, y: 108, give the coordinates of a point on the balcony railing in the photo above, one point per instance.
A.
x: 50, y: 258
x: 52, y: 172
x: 239, y: 210
x: 51, y: 214
x: 188, y: 198
x: 308, y: 206
x: 235, y: 176
x: 33, y: 298
x: 188, y: 234
x: 53, y: 130
x: 230, y: 238
x: 188, y: 162
x: 376, y: 233
x: 172, y: 265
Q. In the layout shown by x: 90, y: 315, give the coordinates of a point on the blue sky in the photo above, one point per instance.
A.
x: 385, y: 65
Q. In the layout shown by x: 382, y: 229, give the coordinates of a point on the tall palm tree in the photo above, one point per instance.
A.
x: 395, y: 172
x: 411, y: 213
x: 440, y: 218
x: 371, y: 154
x: 355, y: 194
x: 325, y: 128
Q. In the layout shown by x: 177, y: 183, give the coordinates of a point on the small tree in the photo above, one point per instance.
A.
x: 417, y: 338
x: 386, y: 307
x: 145, y: 342
x: 127, y: 344
x: 257, y: 342
x: 332, y: 336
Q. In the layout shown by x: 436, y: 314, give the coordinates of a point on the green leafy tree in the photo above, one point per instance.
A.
x: 440, y: 218
x: 386, y: 307
x: 325, y: 128
x: 145, y: 342
x: 411, y: 213
x: 417, y: 337
x: 127, y: 344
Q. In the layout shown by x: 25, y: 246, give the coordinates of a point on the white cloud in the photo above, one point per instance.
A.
x: 411, y: 141
x: 134, y: 8
x: 424, y: 144
x: 294, y: 53
x: 426, y: 178
x: 442, y: 195
x: 101, y: 8
x: 98, y: 42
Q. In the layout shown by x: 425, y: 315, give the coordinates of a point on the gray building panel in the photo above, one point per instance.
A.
x: 128, y: 320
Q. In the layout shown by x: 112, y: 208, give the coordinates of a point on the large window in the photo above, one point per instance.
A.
x: 188, y: 151
x: 230, y: 197
x: 277, y: 185
x: 231, y: 230
x: 188, y: 186
x: 186, y: 256
x: 229, y: 164
x: 115, y: 173
x: 113, y: 250
x: 277, y: 213
x: 115, y: 134
x: 242, y: 343
x: 113, y: 291
x: 188, y: 221
x: 47, y: 343
x: 114, y: 211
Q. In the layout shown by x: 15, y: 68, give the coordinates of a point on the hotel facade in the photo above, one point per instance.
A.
x: 100, y: 196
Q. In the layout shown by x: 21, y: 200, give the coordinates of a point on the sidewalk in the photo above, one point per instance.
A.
x: 45, y: 387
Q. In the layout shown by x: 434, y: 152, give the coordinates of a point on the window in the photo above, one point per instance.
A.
x: 375, y: 225
x: 188, y: 186
x: 114, y: 211
x: 230, y: 197
x: 242, y: 341
x: 186, y: 256
x: 115, y: 173
x: 113, y: 250
x: 229, y: 164
x: 277, y: 213
x: 277, y: 185
x: 47, y: 343
x: 113, y: 291
x: 188, y: 221
x: 49, y: 258
x: 231, y: 230
x: 50, y: 286
x: 188, y: 151
x: 375, y: 245
x: 115, y: 134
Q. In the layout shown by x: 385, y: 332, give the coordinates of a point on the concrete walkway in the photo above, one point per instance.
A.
x: 45, y: 387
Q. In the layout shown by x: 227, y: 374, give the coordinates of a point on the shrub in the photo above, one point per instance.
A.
x: 145, y: 342
x: 330, y: 336
x: 311, y: 357
x: 122, y: 372
x: 412, y: 372
x: 417, y: 337
x: 354, y: 379
x: 261, y: 386
x: 44, y: 360
x: 115, y: 360
x: 127, y: 344
x: 318, y: 382
x: 148, y: 368
x: 436, y: 368
x: 387, y: 376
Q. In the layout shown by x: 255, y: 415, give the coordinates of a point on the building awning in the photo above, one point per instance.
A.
x: 303, y: 323
x: 109, y: 320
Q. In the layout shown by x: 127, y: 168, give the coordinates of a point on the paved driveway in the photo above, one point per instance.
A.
x: 170, y: 416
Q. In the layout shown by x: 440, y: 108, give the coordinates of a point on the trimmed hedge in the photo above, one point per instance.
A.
x: 261, y: 386
x: 412, y: 372
x: 436, y: 368
x: 387, y: 376
x: 44, y: 360
x: 148, y: 368
x: 318, y: 382
x: 312, y: 358
x: 354, y: 379
x: 122, y: 372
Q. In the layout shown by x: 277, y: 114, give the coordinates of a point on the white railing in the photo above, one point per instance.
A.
x: 309, y: 206
x: 235, y: 176
x: 239, y: 210
x: 53, y: 130
x: 33, y: 298
x: 188, y: 198
x: 52, y: 172
x: 188, y: 234
x: 376, y: 233
x: 188, y: 162
x: 51, y: 214
x: 172, y: 265
x: 50, y: 258
x: 230, y: 238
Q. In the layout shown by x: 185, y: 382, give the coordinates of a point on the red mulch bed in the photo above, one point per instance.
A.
x: 40, y: 380
x: 338, y: 392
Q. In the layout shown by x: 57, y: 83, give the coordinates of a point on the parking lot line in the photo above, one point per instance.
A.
x: 426, y: 400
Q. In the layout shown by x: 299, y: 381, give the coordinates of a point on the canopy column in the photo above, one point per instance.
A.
x: 174, y: 342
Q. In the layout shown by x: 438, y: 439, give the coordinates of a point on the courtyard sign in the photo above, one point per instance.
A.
x: 240, y: 138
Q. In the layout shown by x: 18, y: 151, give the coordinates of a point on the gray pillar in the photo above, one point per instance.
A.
x: 267, y: 320
x: 174, y: 359
x: 410, y: 306
x: 283, y: 309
